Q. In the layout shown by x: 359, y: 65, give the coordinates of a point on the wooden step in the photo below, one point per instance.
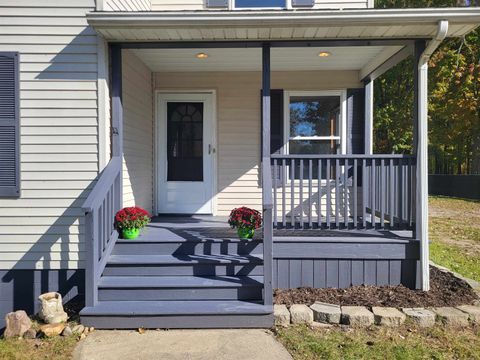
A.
x: 177, y: 314
x: 190, y: 259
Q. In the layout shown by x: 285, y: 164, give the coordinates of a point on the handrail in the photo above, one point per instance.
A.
x: 107, y: 176
x: 100, y: 208
x: 342, y: 156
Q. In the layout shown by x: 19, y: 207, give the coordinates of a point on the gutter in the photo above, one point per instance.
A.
x: 434, y: 43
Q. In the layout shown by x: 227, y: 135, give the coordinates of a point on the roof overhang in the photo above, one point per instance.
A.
x: 282, y: 25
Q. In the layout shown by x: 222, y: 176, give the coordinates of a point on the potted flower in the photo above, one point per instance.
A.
x: 245, y: 220
x: 130, y: 220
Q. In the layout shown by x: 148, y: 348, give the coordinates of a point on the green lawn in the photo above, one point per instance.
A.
x: 381, y: 343
x: 455, y: 235
x: 58, y: 348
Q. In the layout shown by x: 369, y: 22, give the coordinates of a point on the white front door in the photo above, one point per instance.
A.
x: 186, y: 153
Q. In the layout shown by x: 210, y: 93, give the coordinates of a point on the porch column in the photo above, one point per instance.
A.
x: 117, y: 109
x: 266, y: 179
x: 421, y: 152
x: 369, y: 117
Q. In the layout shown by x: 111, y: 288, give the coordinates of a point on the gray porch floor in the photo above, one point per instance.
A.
x: 204, y: 227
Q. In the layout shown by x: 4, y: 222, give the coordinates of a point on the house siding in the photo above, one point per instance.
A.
x: 126, y: 5
x: 59, y: 132
x: 238, y: 122
x: 138, y: 133
x: 172, y: 5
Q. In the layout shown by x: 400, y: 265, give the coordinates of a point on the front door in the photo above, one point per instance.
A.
x: 186, y: 153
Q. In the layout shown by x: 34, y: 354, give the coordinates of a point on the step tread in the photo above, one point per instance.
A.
x: 179, y: 281
x: 183, y: 259
x: 151, y: 308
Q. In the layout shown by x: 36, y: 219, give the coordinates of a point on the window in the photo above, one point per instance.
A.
x: 248, y: 4
x: 9, y: 125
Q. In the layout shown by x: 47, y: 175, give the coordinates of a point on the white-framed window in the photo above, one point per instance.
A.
x: 259, y: 4
x: 315, y: 122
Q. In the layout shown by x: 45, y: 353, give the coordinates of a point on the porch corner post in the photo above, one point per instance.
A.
x: 266, y: 179
x: 369, y: 117
x: 421, y: 153
x: 117, y: 109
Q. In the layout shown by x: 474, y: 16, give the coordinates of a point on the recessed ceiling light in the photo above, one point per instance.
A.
x: 324, y: 54
x: 201, y: 56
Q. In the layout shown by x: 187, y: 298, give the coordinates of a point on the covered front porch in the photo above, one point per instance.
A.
x: 283, y: 126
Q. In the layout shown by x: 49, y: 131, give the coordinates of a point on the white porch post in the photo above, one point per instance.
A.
x: 369, y: 117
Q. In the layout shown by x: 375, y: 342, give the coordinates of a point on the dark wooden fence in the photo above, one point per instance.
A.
x: 343, y: 191
x: 100, y: 234
x: 461, y: 186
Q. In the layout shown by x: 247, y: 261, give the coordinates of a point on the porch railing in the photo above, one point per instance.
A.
x: 343, y: 191
x: 100, y: 235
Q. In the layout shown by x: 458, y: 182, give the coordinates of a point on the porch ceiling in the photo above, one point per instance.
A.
x: 287, y: 25
x: 282, y: 59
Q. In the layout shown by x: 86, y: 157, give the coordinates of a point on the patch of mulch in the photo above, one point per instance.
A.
x: 445, y: 290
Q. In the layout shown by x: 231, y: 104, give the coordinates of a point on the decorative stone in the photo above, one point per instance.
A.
x: 472, y: 311
x: 301, y: 314
x: 30, y: 334
x: 52, y: 329
x: 67, y: 331
x: 92, y: 329
x: 356, y: 316
x: 51, y: 308
x: 78, y: 329
x: 282, y: 315
x: 319, y: 325
x: 388, y: 316
x: 326, y: 313
x: 420, y: 316
x: 17, y: 323
x: 451, y: 316
x: 82, y: 336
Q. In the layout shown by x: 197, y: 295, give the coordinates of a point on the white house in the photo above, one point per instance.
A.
x: 195, y: 107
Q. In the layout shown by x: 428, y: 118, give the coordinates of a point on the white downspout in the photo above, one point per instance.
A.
x: 422, y: 153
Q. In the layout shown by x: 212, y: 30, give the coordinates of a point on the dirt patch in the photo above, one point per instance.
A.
x: 446, y: 290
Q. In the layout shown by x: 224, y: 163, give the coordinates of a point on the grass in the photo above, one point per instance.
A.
x: 381, y: 343
x: 58, y: 348
x: 455, y: 235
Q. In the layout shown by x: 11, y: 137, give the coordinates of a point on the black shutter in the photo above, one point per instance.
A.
x: 217, y: 3
x: 303, y: 3
x: 9, y: 125
x: 276, y: 121
x: 355, y: 121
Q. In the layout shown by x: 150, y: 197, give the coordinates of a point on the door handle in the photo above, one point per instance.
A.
x: 211, y: 149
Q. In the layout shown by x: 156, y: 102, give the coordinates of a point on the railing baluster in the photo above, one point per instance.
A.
x: 337, y: 194
x: 382, y: 193
x: 391, y: 192
x: 319, y: 208
x: 365, y: 194
x: 301, y: 194
x: 292, y: 192
x: 329, y: 195
x: 274, y: 181
x: 410, y: 191
x: 345, y: 193
x: 373, y: 180
x: 284, y: 181
x: 355, y: 193
x: 310, y: 170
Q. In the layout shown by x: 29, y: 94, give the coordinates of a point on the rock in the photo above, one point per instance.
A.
x: 52, y: 329
x: 420, y: 316
x: 282, y: 315
x: 67, y: 331
x: 319, y: 325
x: 451, y: 316
x: 78, y: 329
x: 388, y: 316
x: 17, y: 323
x: 51, y: 308
x: 86, y: 330
x: 472, y: 311
x: 301, y: 314
x: 326, y: 313
x: 30, y: 334
x: 82, y: 336
x: 356, y: 316
x: 92, y: 329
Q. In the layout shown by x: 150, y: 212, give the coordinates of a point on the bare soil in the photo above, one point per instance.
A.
x: 446, y: 290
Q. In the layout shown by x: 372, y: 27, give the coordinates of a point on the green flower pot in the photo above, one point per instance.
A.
x: 245, y: 233
x: 130, y: 234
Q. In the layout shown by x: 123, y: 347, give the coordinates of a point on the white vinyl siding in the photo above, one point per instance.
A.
x: 126, y: 5
x: 138, y: 133
x: 238, y: 122
x: 179, y: 5
x: 58, y: 117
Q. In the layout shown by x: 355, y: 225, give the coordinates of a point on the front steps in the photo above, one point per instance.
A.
x: 167, y: 280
